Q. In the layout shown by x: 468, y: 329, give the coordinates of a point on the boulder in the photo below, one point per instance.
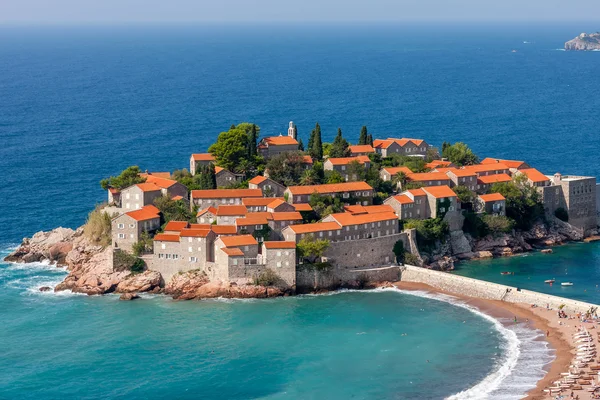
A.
x: 547, y: 251
x: 144, y: 282
x: 45, y: 289
x: 129, y: 296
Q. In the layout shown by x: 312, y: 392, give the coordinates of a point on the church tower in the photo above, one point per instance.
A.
x: 291, y: 129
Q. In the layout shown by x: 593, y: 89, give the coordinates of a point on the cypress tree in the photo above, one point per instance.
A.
x: 311, y: 141
x: 317, y: 148
x: 362, y: 139
x: 339, y: 147
x: 295, y: 132
x: 300, y: 145
x: 252, y: 142
x: 212, y: 176
x: 369, y: 139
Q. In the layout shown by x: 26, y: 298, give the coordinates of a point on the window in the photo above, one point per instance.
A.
x: 346, y: 195
x: 330, y: 233
x: 231, y: 201
x: 137, y: 196
x: 450, y: 208
x: 320, y: 234
x: 190, y: 249
x: 168, y: 256
x: 121, y: 236
x: 279, y: 254
x: 279, y: 264
x: 127, y: 196
x: 175, y: 256
x: 258, y: 227
x: 121, y: 226
x: 162, y: 246
x: 161, y: 255
x: 132, y: 225
x: 190, y: 240
x: 442, y: 209
x: 193, y: 259
x: 343, y: 167
x: 235, y: 261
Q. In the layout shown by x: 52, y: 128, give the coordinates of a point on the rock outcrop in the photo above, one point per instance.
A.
x: 52, y: 246
x: 584, y: 42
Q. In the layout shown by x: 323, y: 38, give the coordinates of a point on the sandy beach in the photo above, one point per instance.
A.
x: 560, y: 334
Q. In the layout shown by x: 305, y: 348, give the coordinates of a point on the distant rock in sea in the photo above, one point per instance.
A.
x: 584, y: 42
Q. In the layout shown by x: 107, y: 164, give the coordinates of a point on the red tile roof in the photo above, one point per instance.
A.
x: 259, y: 201
x: 280, y: 140
x: 394, y: 170
x: 494, y: 178
x: 487, y: 167
x: 257, y: 180
x: 160, y: 182
x: 252, y: 220
x: 302, y: 207
x: 508, y: 163
x: 165, y: 237
x: 176, y: 225
x: 276, y: 203
x: 382, y: 144
x: 462, y: 173
x: 231, y: 210
x: 330, y: 188
x: 211, y: 210
x: 358, y: 209
x: 145, y: 213
x: 316, y: 227
x: 286, y: 216
x: 225, y: 193
x: 348, y: 160
x: 232, y: 251
x: 307, y: 159
x: 177, y: 198
x: 417, y: 192
x: 194, y: 232
x: 347, y: 219
x: 203, y: 157
x: 224, y: 229
x: 361, y: 148
x: 402, y: 142
x: 165, y: 175
x: 534, y: 175
x: 280, y: 245
x: 439, y: 191
x: 238, y: 240
x: 491, y: 197
x: 428, y: 176
x: 403, y: 199
x: 114, y: 191
x: 438, y: 163
x: 148, y: 187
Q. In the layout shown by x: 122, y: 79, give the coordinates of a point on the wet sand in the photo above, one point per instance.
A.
x: 560, y: 337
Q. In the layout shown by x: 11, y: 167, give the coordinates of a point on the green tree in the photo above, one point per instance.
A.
x: 308, y: 178
x: 319, y: 172
x: 400, y: 180
x: 129, y: 176
x: 497, y: 223
x: 286, y: 168
x: 295, y: 132
x: 144, y: 245
x: 334, y: 177
x: 300, y: 145
x: 230, y: 148
x: 429, y: 231
x: 339, y: 147
x: 315, y: 148
x: 523, y: 203
x: 465, y: 195
x: 399, y: 251
x: 311, y: 249
x: 459, y: 154
x: 370, y: 139
x: 362, y: 139
x: 174, y: 210
x: 356, y: 171
x: 324, y: 205
x: 253, y: 137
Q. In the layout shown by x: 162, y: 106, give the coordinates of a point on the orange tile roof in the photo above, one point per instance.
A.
x: 232, y: 251
x: 201, y: 226
x: 259, y: 201
x: 225, y: 193
x: 252, y: 220
x: 276, y: 203
x: 316, y: 227
x: 280, y: 140
x: 257, y: 180
x: 165, y: 237
x: 348, y: 219
x: 164, y: 175
x: 439, y: 191
x: 224, y: 229
x: 177, y: 198
x: 438, y: 163
x: 403, y: 199
x: 394, y: 170
x: 176, y: 225
x: 534, y: 175
x: 160, y: 182
x: 494, y: 178
x: 358, y: 209
x: 428, y: 176
x: 238, y: 240
x: 280, y: 245
x: 231, y: 210
x: 382, y: 144
x: 487, y: 167
x: 210, y: 209
x: 508, y: 163
x: 462, y: 173
x: 114, y: 191
x: 348, y: 160
x: 148, y: 187
x: 307, y: 159
x: 362, y: 148
x: 303, y: 207
x: 330, y: 188
x: 491, y: 197
x: 417, y: 192
x: 145, y: 213
x: 287, y: 216
x: 219, y: 169
x: 403, y: 141
x: 203, y: 157
x: 195, y: 232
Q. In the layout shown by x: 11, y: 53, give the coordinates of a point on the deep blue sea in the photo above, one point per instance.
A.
x: 80, y: 103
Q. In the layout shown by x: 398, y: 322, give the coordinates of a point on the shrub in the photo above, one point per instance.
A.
x: 145, y: 245
x: 561, y: 214
x: 428, y: 230
x: 498, y: 223
x: 399, y: 251
x: 98, y: 227
x: 126, y: 262
x: 266, y: 278
x: 410, y: 259
x: 523, y: 202
x: 474, y: 225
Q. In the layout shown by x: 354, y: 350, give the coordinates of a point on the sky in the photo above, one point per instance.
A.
x: 123, y: 11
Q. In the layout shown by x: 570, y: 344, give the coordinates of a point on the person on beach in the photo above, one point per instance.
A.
x: 547, y: 333
x: 515, y: 319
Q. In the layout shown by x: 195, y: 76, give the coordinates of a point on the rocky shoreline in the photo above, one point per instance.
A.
x: 584, y: 42
x: 91, y: 269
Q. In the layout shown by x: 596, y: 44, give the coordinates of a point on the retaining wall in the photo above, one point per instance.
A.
x: 461, y: 285
x: 309, y: 279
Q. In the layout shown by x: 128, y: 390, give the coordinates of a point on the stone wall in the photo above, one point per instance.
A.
x: 461, y: 285
x: 365, y: 253
x: 308, y: 279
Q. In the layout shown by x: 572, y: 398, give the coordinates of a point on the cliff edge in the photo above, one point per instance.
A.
x: 584, y: 42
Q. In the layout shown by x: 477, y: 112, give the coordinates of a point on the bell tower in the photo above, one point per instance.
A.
x: 291, y: 129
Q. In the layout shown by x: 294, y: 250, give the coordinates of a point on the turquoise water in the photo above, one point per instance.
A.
x: 578, y: 263
x: 359, y: 345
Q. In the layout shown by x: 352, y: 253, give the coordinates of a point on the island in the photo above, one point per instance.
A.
x: 584, y: 42
x: 265, y: 216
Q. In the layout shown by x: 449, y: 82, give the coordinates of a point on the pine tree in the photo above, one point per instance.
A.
x: 362, y: 139
x: 316, y: 151
x: 339, y: 147
x: 295, y: 132
x: 300, y: 145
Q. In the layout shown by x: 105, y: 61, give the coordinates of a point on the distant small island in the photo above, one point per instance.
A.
x: 584, y: 42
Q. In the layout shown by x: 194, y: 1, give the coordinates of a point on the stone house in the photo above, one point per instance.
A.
x: 269, y: 187
x: 513, y: 165
x: 216, y: 197
x: 280, y: 257
x: 253, y: 224
x: 435, y: 164
x: 169, y: 187
x: 360, y: 191
x: 279, y: 205
x: 411, y: 204
x: 485, y: 183
x: 493, y: 204
x: 274, y: 145
x: 440, y: 200
x: 488, y: 169
x: 463, y: 177
x: 342, y: 166
x: 114, y: 197
x: 401, y: 146
x: 227, y: 214
x: 226, y: 178
x: 200, y: 159
x: 361, y: 150
x: 207, y: 215
x: 535, y: 177
x: 258, y: 204
x: 246, y: 243
x: 387, y: 147
x: 388, y: 173
x: 139, y: 195
x: 127, y: 228
x: 430, y: 179
x: 281, y: 220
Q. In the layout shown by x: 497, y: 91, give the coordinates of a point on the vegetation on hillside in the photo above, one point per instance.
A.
x: 123, y: 261
x: 129, y: 176
x: 97, y: 228
x: 523, y: 202
x: 340, y: 146
x: 311, y: 249
x: 286, y: 168
x: 205, y: 177
x: 174, y: 210
x: 429, y: 231
x: 459, y: 154
x: 235, y: 150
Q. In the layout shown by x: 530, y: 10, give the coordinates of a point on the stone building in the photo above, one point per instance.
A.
x: 216, y: 197
x: 139, y: 195
x: 274, y: 145
x: 226, y: 178
x: 168, y: 187
x: 361, y: 150
x: 258, y: 204
x: 411, y: 204
x: 127, y: 228
x: 488, y: 169
x: 403, y: 147
x: 493, y: 204
x: 200, y: 159
x: 535, y: 177
x: 463, y: 177
x: 343, y: 166
x: 440, y: 200
x: 207, y: 215
x: 485, y: 183
x: 430, y: 179
x: 359, y: 191
x: 269, y: 187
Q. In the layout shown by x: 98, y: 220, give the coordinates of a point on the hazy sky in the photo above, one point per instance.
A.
x: 57, y: 11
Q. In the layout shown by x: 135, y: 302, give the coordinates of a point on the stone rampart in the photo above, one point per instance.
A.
x: 308, y: 279
x: 461, y: 285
